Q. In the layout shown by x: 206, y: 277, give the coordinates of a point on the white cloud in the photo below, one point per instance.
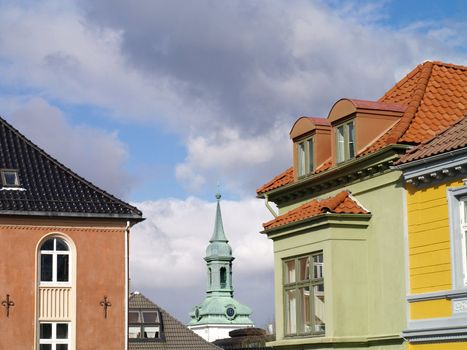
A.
x: 97, y: 155
x: 237, y: 71
x: 234, y: 159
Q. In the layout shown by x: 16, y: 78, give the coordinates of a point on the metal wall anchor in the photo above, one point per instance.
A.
x: 105, y: 304
x: 7, y: 304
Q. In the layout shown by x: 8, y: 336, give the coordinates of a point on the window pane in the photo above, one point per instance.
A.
x: 46, y: 331
x: 62, y: 347
x: 304, y: 320
x: 301, y: 159
x: 46, y: 347
x: 310, y: 165
x: 62, y: 330
x: 61, y: 245
x: 151, y: 332
x: 304, y: 268
x: 291, y: 312
x: 151, y: 317
x: 134, y: 332
x: 290, y: 271
x: 11, y: 178
x: 62, y: 268
x: 340, y: 151
x: 351, y: 140
x: 319, y: 310
x: 318, y: 270
x: 46, y: 267
x: 48, y: 244
x: 133, y: 317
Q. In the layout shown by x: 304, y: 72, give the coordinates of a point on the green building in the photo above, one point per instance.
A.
x: 339, y: 237
x: 219, y: 313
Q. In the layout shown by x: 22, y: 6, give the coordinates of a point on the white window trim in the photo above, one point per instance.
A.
x: 53, y: 340
x: 308, y: 145
x: 458, y: 232
x: 55, y: 253
x: 343, y: 145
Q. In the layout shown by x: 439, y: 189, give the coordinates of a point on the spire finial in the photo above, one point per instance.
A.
x: 218, y: 193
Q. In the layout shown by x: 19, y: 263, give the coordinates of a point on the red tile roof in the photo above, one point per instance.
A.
x: 435, y: 94
x: 280, y: 180
x: 450, y: 139
x: 341, y: 203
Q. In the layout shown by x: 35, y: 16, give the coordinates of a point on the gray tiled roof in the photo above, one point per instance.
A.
x: 50, y: 188
x: 177, y: 335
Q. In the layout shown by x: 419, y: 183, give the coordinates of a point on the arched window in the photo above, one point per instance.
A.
x: 55, y: 261
x: 223, y: 277
x: 210, y: 277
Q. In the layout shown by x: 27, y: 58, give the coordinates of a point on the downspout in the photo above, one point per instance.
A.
x: 127, y: 277
x: 266, y: 201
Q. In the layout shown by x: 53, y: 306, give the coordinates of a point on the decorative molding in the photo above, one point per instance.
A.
x: 354, y: 170
x: 450, y: 294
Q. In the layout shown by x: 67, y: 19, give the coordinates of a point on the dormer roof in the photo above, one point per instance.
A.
x: 431, y: 97
x: 304, y: 125
x: 347, y: 106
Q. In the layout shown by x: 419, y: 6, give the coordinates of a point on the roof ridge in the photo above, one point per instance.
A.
x: 401, y: 127
x: 65, y: 168
x: 450, y: 65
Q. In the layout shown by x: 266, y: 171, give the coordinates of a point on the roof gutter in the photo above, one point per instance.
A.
x: 132, y: 217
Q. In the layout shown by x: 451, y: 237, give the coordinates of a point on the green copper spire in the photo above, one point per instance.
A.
x: 220, y: 307
x: 218, y: 234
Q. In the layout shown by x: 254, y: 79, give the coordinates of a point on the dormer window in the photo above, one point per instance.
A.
x: 9, y: 178
x: 345, y: 142
x: 305, y: 157
x: 144, y: 324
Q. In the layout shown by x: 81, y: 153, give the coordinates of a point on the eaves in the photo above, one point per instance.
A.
x: 435, y: 169
x: 319, y: 222
x: 357, y: 169
x: 47, y: 214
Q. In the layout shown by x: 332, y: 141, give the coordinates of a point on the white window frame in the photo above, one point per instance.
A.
x: 457, y: 198
x: 292, y: 284
x: 305, y: 157
x: 55, y: 254
x: 53, y: 340
x: 343, y: 152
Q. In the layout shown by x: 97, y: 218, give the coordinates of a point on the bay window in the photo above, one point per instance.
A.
x: 304, y: 295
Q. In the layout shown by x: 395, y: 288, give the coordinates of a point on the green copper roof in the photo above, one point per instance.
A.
x: 219, y: 306
x: 218, y: 234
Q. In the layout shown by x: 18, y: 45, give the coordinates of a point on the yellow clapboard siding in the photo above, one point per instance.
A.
x: 430, y: 309
x: 430, y: 248
x: 430, y: 269
x: 428, y: 215
x: 426, y: 237
x: 434, y: 288
x: 430, y: 280
x: 430, y: 258
x: 438, y: 346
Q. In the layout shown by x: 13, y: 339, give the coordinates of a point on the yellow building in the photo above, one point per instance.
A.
x: 435, y: 174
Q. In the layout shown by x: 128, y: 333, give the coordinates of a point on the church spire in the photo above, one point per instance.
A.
x: 218, y: 234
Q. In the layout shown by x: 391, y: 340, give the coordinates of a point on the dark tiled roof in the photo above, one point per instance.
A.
x: 341, y: 203
x: 177, y: 336
x: 51, y: 188
x: 452, y: 138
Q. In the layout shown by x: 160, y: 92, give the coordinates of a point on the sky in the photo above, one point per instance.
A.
x: 161, y: 102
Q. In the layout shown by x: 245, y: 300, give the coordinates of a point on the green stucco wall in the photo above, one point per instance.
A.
x: 364, y: 269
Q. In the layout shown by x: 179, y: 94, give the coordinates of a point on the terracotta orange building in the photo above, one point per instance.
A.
x: 63, y: 254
